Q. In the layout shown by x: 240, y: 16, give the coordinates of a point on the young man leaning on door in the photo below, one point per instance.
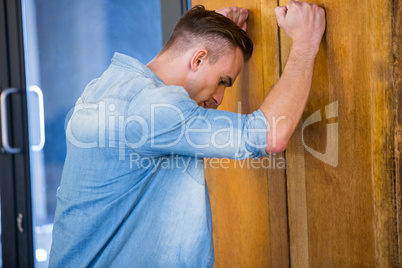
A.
x: 133, y: 189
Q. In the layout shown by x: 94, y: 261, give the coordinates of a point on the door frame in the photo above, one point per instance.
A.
x: 16, y: 238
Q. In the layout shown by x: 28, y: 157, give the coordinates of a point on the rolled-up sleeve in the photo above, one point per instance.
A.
x: 173, y: 123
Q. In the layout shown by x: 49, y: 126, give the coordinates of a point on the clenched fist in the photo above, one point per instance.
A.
x: 303, y: 22
x: 236, y: 14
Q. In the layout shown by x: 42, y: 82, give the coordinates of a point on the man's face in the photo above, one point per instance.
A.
x: 207, y: 85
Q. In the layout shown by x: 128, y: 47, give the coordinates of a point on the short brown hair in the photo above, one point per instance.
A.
x: 211, y: 29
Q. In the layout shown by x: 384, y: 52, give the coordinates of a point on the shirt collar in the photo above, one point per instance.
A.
x: 132, y: 63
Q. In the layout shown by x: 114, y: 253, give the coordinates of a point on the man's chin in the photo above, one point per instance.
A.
x: 207, y: 105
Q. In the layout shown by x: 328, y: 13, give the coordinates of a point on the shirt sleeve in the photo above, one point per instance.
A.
x: 166, y: 121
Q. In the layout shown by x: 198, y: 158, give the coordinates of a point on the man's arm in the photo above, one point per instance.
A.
x: 304, y: 23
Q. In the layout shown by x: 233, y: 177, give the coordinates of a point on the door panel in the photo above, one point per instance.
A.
x: 16, y: 236
x: 248, y: 198
x: 342, y: 195
x: 341, y: 190
x: 397, y: 52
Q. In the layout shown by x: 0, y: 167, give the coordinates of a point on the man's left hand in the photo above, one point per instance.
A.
x: 236, y: 14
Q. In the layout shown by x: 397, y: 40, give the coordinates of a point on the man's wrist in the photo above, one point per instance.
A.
x: 306, y: 49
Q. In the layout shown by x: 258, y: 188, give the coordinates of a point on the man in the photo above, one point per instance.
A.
x: 133, y: 191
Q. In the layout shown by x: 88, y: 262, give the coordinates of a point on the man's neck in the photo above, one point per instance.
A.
x: 172, y: 71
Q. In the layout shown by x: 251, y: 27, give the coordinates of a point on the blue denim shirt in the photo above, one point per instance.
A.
x: 133, y: 191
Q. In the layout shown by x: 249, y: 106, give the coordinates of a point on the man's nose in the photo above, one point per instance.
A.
x: 218, y: 96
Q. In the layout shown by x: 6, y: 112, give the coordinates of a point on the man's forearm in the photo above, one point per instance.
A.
x: 304, y: 23
x: 285, y: 103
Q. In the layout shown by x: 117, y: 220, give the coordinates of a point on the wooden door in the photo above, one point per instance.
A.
x: 343, y: 198
x: 337, y: 203
x: 248, y: 198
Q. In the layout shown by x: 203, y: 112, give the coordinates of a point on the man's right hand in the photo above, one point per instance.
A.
x: 303, y: 22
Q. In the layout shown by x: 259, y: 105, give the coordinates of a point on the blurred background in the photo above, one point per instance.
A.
x: 68, y: 43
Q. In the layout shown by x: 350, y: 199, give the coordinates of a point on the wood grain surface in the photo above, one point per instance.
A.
x: 397, y: 49
x: 336, y: 205
x: 248, y: 198
x: 350, y: 207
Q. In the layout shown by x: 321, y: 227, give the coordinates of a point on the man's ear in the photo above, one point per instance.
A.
x: 199, y: 58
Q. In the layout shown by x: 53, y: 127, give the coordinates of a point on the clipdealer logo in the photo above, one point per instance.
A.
x: 106, y: 127
x: 331, y: 154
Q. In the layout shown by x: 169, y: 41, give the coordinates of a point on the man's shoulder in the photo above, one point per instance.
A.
x: 143, y: 78
x: 157, y: 96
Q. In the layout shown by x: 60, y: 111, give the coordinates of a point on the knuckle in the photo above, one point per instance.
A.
x: 321, y: 11
x: 303, y: 4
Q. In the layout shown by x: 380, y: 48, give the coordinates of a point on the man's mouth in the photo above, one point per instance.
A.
x: 209, y: 105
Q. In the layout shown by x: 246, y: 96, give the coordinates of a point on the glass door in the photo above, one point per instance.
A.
x: 49, y: 51
x: 67, y: 43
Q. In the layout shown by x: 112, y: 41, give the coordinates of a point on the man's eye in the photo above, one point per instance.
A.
x: 221, y: 82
